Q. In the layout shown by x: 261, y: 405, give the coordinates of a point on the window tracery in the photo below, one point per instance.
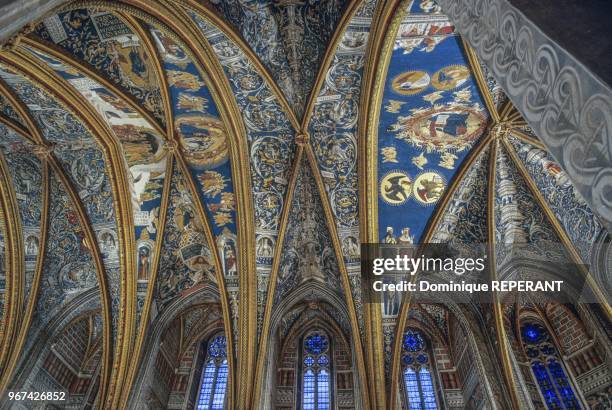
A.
x: 316, y: 371
x: 418, y: 381
x: 547, y: 368
x: 213, y: 384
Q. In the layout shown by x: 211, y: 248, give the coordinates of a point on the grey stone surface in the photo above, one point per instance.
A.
x: 14, y: 14
x: 569, y: 108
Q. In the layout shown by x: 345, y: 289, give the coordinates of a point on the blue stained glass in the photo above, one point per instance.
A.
x: 533, y: 333
x: 547, y: 349
x: 316, y: 373
x: 309, y: 390
x: 429, y: 398
x: 546, y: 386
x: 316, y: 343
x: 219, y: 398
x: 207, y: 385
x: 563, y: 386
x: 413, y: 341
x: 323, y: 390
x: 214, y: 379
x: 412, y: 387
x: 532, y: 352
x: 548, y: 371
x: 418, y: 381
x: 217, y: 347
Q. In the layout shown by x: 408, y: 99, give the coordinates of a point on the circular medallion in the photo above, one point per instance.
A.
x: 443, y: 129
x: 428, y: 187
x: 202, y: 140
x: 395, y: 187
x: 410, y: 82
x: 450, y: 77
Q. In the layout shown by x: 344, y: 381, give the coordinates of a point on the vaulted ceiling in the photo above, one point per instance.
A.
x: 151, y: 149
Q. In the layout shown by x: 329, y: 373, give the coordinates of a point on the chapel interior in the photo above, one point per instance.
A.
x: 185, y: 186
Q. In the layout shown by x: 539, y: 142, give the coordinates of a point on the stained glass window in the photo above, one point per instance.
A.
x: 214, y: 376
x: 547, y: 369
x: 316, y: 379
x: 418, y: 382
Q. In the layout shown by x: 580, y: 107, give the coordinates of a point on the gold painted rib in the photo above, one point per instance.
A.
x: 498, y: 312
x: 280, y: 239
x: 530, y: 140
x: 204, y: 10
x: 14, y: 261
x: 558, y: 229
x: 328, y: 57
x: 66, y: 96
x: 17, y: 127
x: 30, y: 133
x: 88, y: 71
x: 481, y: 82
x: 331, y: 226
x: 385, y: 23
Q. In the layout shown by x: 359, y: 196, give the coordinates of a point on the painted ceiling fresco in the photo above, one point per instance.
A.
x: 82, y: 162
x: 518, y: 217
x: 435, y: 140
x: 566, y: 203
x: 7, y: 110
x: 289, y: 37
x: 186, y: 259
x: 432, y: 115
x: 69, y: 267
x: 271, y: 139
x: 135, y: 138
x: 25, y: 171
x: 308, y: 254
x: 143, y: 148
x: 105, y: 42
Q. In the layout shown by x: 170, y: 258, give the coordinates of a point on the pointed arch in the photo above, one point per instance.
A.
x: 24, y: 65
x: 13, y: 269
x: 28, y: 304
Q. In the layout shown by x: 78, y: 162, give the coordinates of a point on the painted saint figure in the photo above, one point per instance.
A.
x: 405, y: 237
x: 389, y: 237
x: 229, y: 256
x: 31, y: 247
x: 264, y: 247
x: 351, y: 247
x: 143, y: 263
x: 108, y: 243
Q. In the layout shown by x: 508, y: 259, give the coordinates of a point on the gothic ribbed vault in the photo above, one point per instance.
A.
x: 176, y: 169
